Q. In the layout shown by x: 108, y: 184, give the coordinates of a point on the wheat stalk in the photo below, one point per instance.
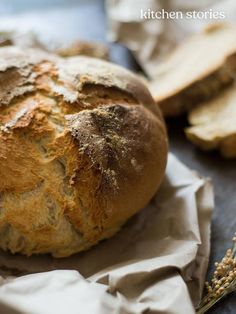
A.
x: 223, y: 281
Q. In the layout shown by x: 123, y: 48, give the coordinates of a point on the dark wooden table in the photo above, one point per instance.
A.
x: 86, y: 19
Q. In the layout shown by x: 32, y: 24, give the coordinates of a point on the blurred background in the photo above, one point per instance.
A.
x: 55, y: 19
x: 60, y: 22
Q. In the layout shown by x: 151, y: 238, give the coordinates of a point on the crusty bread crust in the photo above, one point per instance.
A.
x: 82, y: 148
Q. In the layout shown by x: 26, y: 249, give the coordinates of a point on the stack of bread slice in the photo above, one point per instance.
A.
x: 198, y: 78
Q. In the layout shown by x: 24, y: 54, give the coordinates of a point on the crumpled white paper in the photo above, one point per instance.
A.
x: 59, y: 291
x: 155, y: 264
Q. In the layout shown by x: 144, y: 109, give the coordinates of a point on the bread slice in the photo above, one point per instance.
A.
x: 214, y: 124
x: 197, y: 70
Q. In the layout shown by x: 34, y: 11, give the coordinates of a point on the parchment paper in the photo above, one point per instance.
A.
x: 155, y: 264
x: 151, y: 40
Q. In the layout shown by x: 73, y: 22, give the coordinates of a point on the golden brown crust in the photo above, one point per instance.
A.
x: 82, y: 148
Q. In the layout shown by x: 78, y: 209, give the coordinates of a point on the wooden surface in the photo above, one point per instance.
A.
x: 71, y: 19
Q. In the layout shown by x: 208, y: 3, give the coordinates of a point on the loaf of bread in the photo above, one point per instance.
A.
x: 82, y: 148
x: 84, y: 48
